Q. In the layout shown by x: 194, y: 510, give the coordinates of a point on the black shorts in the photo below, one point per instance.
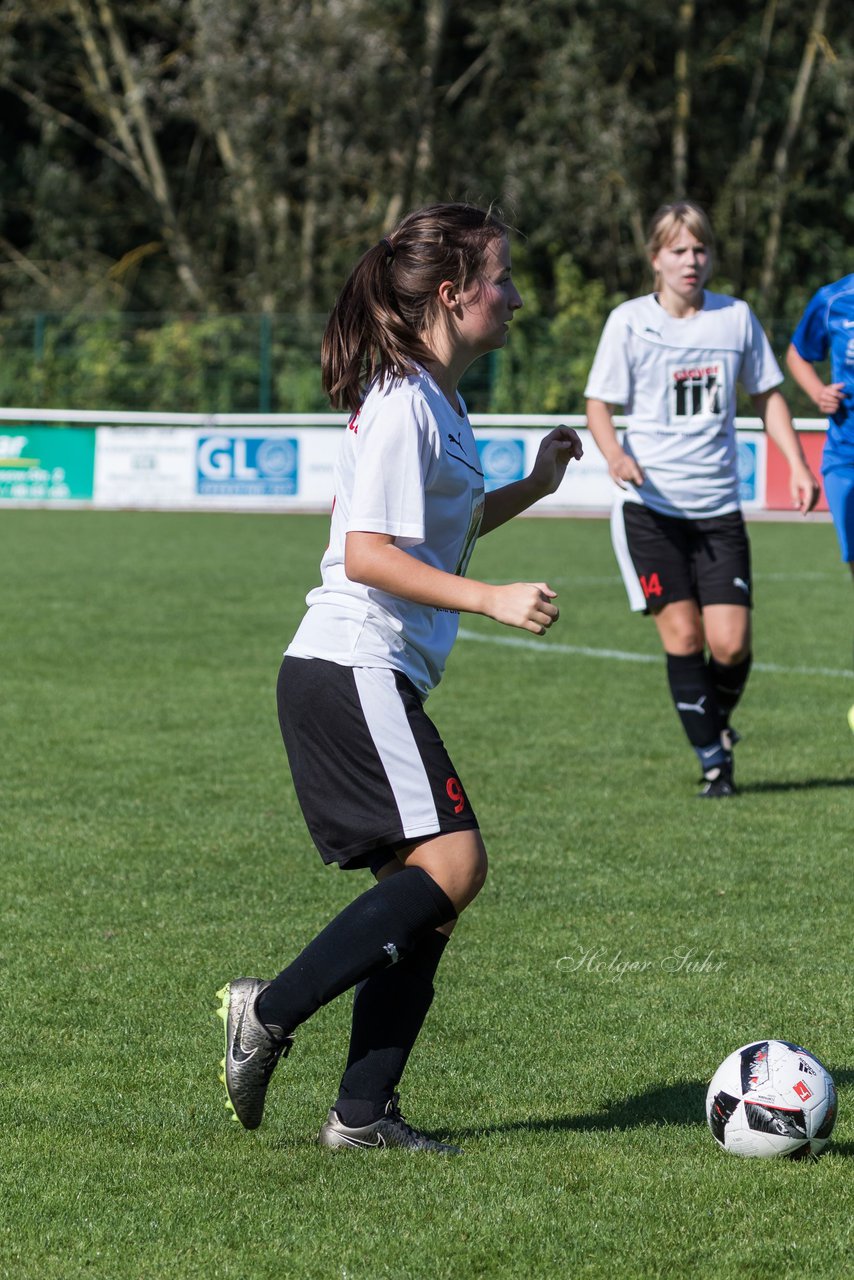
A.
x: 369, y: 768
x: 667, y: 558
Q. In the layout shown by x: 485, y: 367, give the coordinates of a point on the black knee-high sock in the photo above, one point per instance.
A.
x: 388, y: 1013
x: 368, y: 935
x: 696, y: 704
x: 728, y: 683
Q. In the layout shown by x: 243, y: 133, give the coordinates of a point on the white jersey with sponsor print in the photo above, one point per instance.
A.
x: 676, y: 379
x: 407, y: 466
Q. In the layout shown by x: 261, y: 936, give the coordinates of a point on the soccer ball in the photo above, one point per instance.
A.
x: 771, y: 1098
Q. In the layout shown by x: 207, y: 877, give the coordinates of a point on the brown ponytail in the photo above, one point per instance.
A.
x: 378, y: 323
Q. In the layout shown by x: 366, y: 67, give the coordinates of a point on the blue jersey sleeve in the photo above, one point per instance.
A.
x: 810, y: 339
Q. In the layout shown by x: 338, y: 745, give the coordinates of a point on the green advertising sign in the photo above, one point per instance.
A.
x: 46, y: 464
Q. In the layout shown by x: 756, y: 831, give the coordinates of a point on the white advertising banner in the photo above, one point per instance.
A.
x: 286, y: 462
x: 282, y: 469
x: 144, y: 467
x: 243, y: 467
x: 586, y: 485
x: 507, y: 455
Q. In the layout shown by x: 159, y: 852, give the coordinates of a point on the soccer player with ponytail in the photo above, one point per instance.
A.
x: 375, y: 783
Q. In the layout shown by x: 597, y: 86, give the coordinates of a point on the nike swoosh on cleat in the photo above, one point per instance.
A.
x: 238, y: 1053
x: 358, y: 1142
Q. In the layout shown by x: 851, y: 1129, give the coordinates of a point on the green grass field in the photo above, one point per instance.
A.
x: 152, y: 849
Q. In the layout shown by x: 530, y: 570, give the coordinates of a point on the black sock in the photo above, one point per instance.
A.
x: 728, y: 683
x: 388, y: 1013
x: 371, y: 933
x: 697, y: 706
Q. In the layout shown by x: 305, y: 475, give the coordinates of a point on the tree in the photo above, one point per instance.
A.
x: 236, y: 155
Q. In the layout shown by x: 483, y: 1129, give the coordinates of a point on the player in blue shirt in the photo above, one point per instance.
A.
x: 826, y: 329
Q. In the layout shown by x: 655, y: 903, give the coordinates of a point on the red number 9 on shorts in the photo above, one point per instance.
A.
x: 456, y: 794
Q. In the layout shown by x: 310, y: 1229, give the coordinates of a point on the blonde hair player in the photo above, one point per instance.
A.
x: 376, y: 785
x: 672, y: 360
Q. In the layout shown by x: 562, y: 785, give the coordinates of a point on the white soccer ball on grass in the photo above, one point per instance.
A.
x: 772, y: 1098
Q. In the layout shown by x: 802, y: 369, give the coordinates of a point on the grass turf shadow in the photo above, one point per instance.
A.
x: 682, y: 1103
x: 801, y: 784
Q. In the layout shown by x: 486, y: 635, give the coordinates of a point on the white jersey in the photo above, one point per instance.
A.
x: 677, y: 380
x: 407, y: 466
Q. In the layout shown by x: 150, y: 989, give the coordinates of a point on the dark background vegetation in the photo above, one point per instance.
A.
x: 185, y: 183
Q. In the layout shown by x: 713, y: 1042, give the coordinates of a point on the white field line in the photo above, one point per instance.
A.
x: 620, y: 655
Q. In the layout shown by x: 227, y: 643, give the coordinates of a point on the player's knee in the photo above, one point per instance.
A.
x: 478, y: 872
x: 469, y: 876
x: 680, y: 629
x: 729, y: 653
x: 684, y: 641
x: 457, y: 862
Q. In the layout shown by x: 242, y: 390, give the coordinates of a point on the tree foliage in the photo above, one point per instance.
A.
x: 235, y: 156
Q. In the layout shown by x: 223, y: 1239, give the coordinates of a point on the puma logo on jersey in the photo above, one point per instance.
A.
x: 699, y: 707
x: 458, y: 441
x: 740, y: 583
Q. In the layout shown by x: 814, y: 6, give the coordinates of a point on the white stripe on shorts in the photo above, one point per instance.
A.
x: 389, y: 727
x: 634, y: 590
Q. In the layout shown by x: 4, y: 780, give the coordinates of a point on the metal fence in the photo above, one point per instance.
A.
x: 192, y: 364
x: 265, y: 364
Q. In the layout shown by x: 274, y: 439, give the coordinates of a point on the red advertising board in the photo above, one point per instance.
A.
x: 777, y: 496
